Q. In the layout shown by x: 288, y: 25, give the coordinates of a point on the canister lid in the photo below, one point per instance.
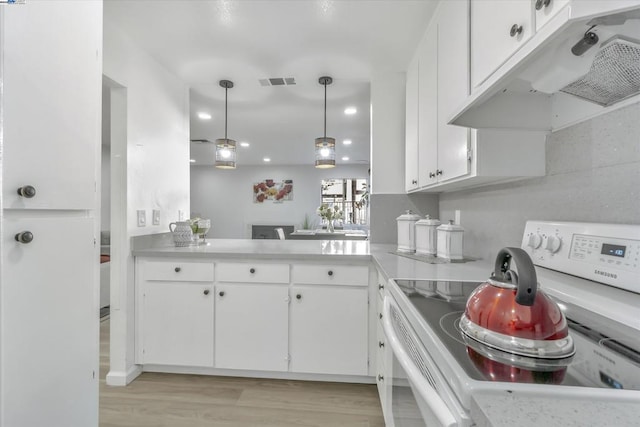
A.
x: 428, y: 221
x: 408, y: 216
x: 451, y: 227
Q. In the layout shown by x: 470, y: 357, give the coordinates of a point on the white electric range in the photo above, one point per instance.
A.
x: 592, y: 270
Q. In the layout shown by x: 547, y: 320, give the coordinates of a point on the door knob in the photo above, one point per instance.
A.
x: 298, y: 296
x: 28, y: 191
x: 177, y: 269
x: 206, y: 292
x: 221, y: 293
x: 432, y: 175
x: 380, y: 378
x: 380, y: 287
x: 439, y: 172
x: 380, y: 344
x: 515, y: 30
x: 252, y: 270
x: 330, y: 273
x: 24, y: 237
x: 540, y: 3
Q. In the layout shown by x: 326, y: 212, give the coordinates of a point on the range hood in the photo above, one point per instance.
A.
x: 566, y: 73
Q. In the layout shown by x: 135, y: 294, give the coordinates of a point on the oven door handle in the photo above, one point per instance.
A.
x: 427, y: 393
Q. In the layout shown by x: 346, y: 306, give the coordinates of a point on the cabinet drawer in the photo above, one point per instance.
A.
x: 177, y: 271
x: 354, y: 275
x: 252, y: 272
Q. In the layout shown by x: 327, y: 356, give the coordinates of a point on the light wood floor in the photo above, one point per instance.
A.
x: 167, y: 400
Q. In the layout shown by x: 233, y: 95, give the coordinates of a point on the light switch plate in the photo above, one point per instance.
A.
x: 142, y: 218
x: 156, y: 217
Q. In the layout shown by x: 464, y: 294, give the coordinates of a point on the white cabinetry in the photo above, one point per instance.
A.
x: 175, y: 312
x: 251, y: 326
x: 329, y: 319
x: 411, y: 127
x: 498, y: 29
x: 428, y: 107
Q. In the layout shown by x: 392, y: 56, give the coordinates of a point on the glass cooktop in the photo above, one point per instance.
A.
x: 607, y: 353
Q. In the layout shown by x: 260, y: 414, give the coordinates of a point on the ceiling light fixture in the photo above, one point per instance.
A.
x: 267, y: 159
x: 345, y: 158
x: 192, y: 160
x: 350, y: 110
x: 347, y: 142
x: 204, y: 116
x: 325, y: 147
x: 225, y: 147
x: 244, y: 144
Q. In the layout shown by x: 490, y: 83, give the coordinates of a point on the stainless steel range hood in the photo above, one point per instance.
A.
x: 571, y: 72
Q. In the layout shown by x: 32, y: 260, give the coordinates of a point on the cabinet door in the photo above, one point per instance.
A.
x: 428, y: 108
x: 329, y: 330
x: 411, y: 130
x: 491, y: 40
x: 251, y: 327
x: 547, y: 9
x: 49, y: 309
x: 177, y: 323
x: 52, y: 90
x: 453, y: 87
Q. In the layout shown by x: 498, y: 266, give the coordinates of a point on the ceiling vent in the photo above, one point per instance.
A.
x: 278, y: 81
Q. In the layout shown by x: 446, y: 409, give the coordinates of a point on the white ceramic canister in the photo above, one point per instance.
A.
x: 450, y: 241
x: 407, y: 231
x: 427, y: 236
x: 182, y: 233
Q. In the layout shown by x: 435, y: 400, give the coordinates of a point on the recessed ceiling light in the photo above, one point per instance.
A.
x: 345, y: 158
x: 192, y: 160
x: 347, y: 142
x: 204, y: 116
x: 350, y: 110
x: 267, y: 159
x: 244, y: 144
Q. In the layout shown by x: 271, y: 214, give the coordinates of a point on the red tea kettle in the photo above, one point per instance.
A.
x: 508, y: 312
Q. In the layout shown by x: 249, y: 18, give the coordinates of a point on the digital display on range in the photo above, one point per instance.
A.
x: 613, y: 250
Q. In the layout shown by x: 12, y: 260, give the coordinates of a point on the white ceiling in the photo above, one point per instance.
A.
x: 243, y: 41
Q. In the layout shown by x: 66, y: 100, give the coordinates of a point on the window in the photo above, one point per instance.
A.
x: 351, y: 195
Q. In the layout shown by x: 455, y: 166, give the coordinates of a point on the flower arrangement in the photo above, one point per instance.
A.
x: 329, y: 214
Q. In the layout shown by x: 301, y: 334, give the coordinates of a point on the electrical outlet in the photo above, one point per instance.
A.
x: 156, y: 217
x: 180, y: 215
x: 142, y: 218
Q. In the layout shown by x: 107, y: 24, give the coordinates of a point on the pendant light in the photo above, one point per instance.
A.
x: 225, y: 147
x: 325, y: 147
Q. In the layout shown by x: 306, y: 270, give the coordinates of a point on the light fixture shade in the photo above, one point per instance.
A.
x: 225, y: 153
x: 325, y: 152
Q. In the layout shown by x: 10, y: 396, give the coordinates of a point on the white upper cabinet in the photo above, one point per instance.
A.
x: 547, y: 9
x: 498, y: 29
x: 428, y: 107
x: 52, y: 104
x: 411, y: 128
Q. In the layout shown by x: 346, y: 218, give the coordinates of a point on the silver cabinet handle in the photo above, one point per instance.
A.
x: 432, y: 175
x: 515, y: 30
x: 28, y: 191
x: 380, y: 377
x: 439, y: 172
x: 24, y: 237
x: 380, y: 287
x: 541, y: 3
x: 380, y: 344
x: 414, y: 181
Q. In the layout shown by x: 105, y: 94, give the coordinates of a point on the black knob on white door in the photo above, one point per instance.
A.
x: 298, y: 296
x: 381, y: 287
x: 252, y: 270
x: 380, y: 344
x: 432, y: 175
x: 540, y: 3
x: 515, y: 30
x: 330, y: 273
x: 415, y: 181
x: 380, y: 378
x: 206, y: 292
x: 24, y: 237
x: 177, y: 269
x: 439, y: 172
x: 221, y: 293
x: 28, y: 191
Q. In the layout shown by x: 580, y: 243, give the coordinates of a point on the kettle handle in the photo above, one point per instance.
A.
x: 526, y: 280
x: 174, y: 226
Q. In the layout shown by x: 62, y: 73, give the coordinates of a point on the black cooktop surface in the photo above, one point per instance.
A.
x: 442, y: 303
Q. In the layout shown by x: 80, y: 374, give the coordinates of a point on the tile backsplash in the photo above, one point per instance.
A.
x: 593, y: 175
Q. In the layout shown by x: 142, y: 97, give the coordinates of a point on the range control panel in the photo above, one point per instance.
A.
x: 606, y: 253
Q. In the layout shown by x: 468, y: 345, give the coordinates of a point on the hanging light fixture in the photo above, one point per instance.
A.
x: 325, y: 147
x: 225, y: 147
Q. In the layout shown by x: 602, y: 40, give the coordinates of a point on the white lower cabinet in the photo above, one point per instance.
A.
x: 177, y: 326
x: 251, y: 326
x: 329, y: 329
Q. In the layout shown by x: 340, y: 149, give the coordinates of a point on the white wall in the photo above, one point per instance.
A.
x: 226, y: 196
x: 150, y: 154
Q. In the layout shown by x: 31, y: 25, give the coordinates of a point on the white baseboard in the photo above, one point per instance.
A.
x: 121, y: 378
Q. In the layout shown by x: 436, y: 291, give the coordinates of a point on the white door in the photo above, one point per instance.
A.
x: 49, y: 307
x: 453, y: 87
x: 251, y: 327
x: 52, y: 90
x: 428, y: 108
x: 177, y: 323
x: 329, y: 332
x: 492, y: 42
